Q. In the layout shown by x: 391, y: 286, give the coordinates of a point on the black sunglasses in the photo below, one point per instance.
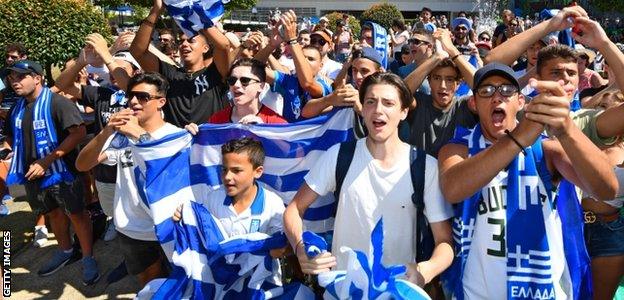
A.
x: 416, y: 41
x: 319, y: 41
x: 505, y: 90
x: 245, y: 81
x: 142, y: 96
x: 484, y: 38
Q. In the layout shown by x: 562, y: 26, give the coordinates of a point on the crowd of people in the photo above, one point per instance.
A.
x: 506, y: 120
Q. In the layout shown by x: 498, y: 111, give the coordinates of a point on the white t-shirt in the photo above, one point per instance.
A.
x: 131, y: 214
x: 485, y: 275
x: 397, y: 47
x: 264, y: 215
x: 370, y: 192
x: 331, y: 68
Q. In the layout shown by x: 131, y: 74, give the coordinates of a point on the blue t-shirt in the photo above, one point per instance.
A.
x: 295, y: 97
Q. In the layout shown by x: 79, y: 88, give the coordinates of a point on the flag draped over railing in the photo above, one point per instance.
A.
x: 195, y: 15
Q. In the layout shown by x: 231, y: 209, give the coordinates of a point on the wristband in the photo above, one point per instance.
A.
x: 148, y: 22
x: 454, y: 57
x: 292, y: 41
x: 515, y: 141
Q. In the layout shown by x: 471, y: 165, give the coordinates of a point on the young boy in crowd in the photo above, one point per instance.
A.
x: 241, y: 204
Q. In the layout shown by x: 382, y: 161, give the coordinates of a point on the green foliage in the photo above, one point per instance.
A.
x: 354, y: 23
x: 382, y: 13
x: 52, y: 30
x: 608, y: 5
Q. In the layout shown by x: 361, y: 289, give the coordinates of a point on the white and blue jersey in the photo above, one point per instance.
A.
x: 294, y: 96
x: 263, y: 215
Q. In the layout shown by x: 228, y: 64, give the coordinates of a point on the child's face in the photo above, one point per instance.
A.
x: 239, y: 173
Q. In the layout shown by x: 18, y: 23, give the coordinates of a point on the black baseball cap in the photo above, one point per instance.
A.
x: 26, y: 66
x: 492, y: 69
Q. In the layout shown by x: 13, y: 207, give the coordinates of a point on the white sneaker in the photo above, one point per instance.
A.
x: 41, y: 237
x: 110, y: 233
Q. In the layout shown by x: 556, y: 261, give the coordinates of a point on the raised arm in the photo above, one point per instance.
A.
x: 66, y: 81
x: 91, y: 155
x: 140, y: 45
x: 98, y: 43
x: 465, y: 68
x: 512, y: 49
x: 478, y: 170
x: 573, y: 155
x: 221, y: 46
x: 302, y: 67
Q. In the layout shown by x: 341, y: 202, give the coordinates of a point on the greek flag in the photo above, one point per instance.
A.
x: 180, y: 168
x: 380, y: 41
x: 195, y: 15
x: 365, y: 277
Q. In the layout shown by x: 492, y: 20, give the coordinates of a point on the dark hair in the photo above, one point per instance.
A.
x: 366, y: 27
x: 398, y: 23
x: 258, y: 68
x: 485, y: 33
x: 165, y: 31
x: 427, y: 9
x: 253, y: 148
x: 310, y: 47
x: 447, y: 63
x: 555, y: 51
x: 16, y: 47
x: 389, y: 79
x: 152, y: 78
x: 168, y: 48
x: 303, y: 31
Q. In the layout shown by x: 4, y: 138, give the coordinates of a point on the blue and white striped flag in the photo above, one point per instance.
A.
x: 180, y: 168
x: 195, y: 15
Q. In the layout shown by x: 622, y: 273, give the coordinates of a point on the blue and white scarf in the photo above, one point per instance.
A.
x: 380, y: 41
x: 45, y: 141
x: 195, y: 15
x: 529, y: 259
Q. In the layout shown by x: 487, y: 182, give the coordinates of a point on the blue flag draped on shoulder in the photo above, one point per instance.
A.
x: 180, y: 168
x: 195, y: 15
x: 380, y: 40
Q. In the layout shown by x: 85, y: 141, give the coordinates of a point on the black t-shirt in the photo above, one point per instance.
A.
x: 65, y: 114
x: 432, y: 128
x: 103, y: 101
x: 193, y: 98
x: 592, y: 91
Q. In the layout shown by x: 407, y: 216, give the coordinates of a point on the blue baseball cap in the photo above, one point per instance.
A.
x: 493, y: 69
x: 26, y: 66
x: 372, y: 54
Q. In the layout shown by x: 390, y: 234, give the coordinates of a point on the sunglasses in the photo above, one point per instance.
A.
x: 416, y: 41
x: 484, y: 38
x: 505, y: 90
x: 318, y: 41
x: 513, y: 25
x: 142, y: 96
x: 245, y: 81
x: 13, y: 57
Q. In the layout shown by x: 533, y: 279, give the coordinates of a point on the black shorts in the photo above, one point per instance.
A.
x: 69, y: 196
x: 138, y: 254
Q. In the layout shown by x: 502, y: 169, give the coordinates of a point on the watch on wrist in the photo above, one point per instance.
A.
x: 145, y: 137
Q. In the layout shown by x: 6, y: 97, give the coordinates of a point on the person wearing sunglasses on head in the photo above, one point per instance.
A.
x: 140, y: 123
x: 199, y: 87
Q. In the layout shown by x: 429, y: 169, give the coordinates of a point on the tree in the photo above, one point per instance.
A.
x: 382, y: 13
x: 232, y: 5
x: 354, y: 23
x: 52, y: 30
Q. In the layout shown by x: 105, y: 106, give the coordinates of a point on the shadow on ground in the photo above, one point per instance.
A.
x: 67, y: 282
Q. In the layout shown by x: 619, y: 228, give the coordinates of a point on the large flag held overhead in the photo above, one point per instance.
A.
x: 180, y: 168
x: 195, y: 15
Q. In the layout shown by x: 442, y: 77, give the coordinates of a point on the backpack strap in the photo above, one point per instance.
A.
x: 345, y: 156
x: 423, y: 233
